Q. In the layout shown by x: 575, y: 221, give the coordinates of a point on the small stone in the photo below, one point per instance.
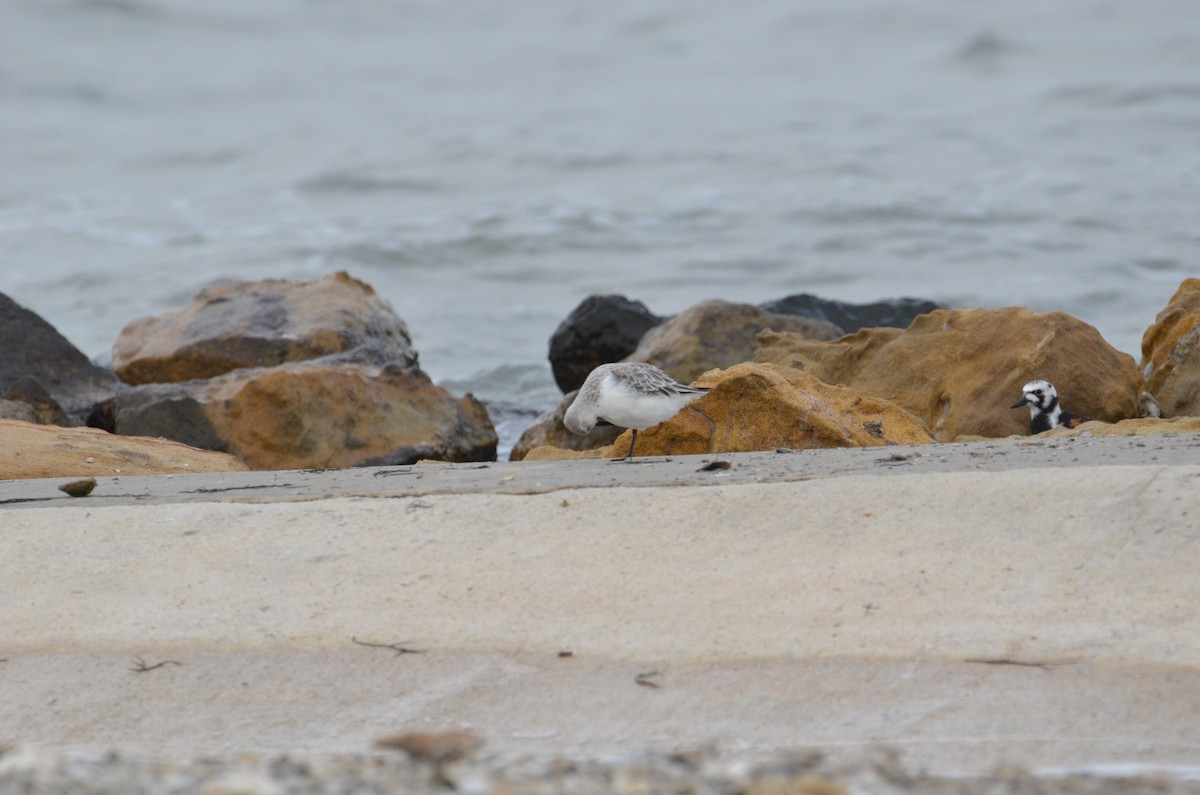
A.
x: 79, y: 488
x: 90, y: 460
x: 437, y: 747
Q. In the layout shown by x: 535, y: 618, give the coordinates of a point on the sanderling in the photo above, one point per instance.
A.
x: 1044, y: 411
x: 632, y: 395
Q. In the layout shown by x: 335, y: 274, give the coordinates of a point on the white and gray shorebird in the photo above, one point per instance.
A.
x: 632, y: 395
x: 1044, y: 409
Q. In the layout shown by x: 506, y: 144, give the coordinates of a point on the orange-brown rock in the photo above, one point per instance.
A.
x: 960, y: 370
x: 1146, y: 426
x: 763, y: 407
x: 261, y: 324
x: 314, y: 414
x: 716, y: 334
x: 1171, y: 353
x: 49, y: 451
x: 548, y: 430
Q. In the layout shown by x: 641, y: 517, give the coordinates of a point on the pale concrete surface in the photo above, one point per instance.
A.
x: 1038, y: 616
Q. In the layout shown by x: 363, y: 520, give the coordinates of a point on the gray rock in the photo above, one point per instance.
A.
x: 40, y: 367
x: 718, y: 334
x: 895, y: 312
x: 262, y: 324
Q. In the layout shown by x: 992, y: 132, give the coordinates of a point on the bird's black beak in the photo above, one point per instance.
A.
x: 1023, y: 401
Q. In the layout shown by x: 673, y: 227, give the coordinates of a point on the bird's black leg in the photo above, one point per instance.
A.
x: 632, y: 442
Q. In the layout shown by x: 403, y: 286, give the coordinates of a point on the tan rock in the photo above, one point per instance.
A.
x: 1171, y: 353
x: 763, y: 407
x: 1146, y: 426
x: 960, y: 370
x: 716, y: 334
x: 548, y: 430
x: 547, y: 452
x: 262, y: 324
x: 50, y: 451
x: 315, y: 414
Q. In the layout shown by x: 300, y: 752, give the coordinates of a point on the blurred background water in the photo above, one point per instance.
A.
x: 487, y: 165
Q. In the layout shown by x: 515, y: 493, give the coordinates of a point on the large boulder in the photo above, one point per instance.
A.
x: 716, y: 334
x: 40, y: 368
x: 262, y: 324
x: 765, y: 407
x: 39, y: 451
x: 894, y: 312
x: 960, y: 370
x: 602, y: 329
x: 1171, y: 353
x: 549, y: 430
x: 325, y: 413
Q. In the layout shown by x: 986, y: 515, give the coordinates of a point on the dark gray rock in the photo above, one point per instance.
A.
x: 40, y: 367
x: 894, y: 312
x: 602, y: 329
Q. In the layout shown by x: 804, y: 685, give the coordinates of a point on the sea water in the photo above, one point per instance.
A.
x: 485, y: 166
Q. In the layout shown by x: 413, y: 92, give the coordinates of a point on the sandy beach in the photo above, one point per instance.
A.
x: 1016, y: 602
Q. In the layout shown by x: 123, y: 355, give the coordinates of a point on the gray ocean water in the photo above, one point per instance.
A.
x: 487, y: 165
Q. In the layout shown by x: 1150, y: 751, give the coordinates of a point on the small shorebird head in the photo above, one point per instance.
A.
x: 1039, y: 395
x: 577, y: 418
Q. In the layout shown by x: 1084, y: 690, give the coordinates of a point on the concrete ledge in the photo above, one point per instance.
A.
x: 1044, y: 617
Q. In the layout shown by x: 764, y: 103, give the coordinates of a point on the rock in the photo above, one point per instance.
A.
x: 894, y: 312
x: 764, y: 407
x: 602, y: 329
x: 437, y: 747
x: 261, y: 324
x: 47, y: 451
x: 78, y: 488
x: 314, y: 414
x: 40, y: 367
x: 548, y: 452
x: 715, y: 334
x: 1171, y: 353
x: 18, y: 410
x: 1148, y: 405
x: 960, y: 370
x: 1144, y: 426
x: 549, y: 430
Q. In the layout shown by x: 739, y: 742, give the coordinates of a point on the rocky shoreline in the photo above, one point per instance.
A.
x: 848, y: 580
x: 284, y: 375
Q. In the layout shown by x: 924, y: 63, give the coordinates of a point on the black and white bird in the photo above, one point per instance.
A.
x: 632, y: 395
x: 1044, y: 410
